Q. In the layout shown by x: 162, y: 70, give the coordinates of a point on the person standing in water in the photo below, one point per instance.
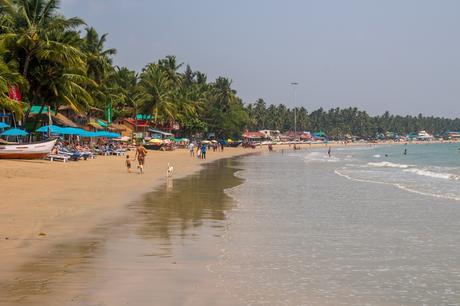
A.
x: 329, y: 152
x: 405, y: 151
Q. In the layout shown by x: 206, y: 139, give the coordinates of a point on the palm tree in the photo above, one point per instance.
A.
x: 170, y: 66
x: 29, y: 40
x: 46, y: 48
x: 158, y: 89
x: 98, y: 60
x: 223, y: 95
x: 7, y: 78
x: 129, y: 96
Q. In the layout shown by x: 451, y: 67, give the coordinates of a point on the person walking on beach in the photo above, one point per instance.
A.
x: 191, y: 148
x: 203, y: 151
x: 128, y: 164
x: 140, y: 154
x: 222, y: 146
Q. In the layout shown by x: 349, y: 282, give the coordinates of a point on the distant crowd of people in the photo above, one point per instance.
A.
x: 199, y: 149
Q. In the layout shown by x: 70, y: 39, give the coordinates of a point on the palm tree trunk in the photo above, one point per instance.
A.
x: 26, y: 66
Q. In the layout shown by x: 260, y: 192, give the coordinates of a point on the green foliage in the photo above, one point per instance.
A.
x: 46, y: 56
x: 338, y: 122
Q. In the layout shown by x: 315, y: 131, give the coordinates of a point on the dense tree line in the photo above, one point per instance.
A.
x: 45, y: 55
x: 338, y: 122
x: 54, y: 63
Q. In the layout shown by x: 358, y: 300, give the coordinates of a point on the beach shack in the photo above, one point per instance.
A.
x: 249, y: 137
x: 451, y: 135
x: 273, y: 135
x: 157, y: 134
x: 320, y: 136
x: 306, y: 136
x: 137, y: 127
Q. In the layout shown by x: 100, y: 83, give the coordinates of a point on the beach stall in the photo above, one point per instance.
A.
x: 157, y: 134
x: 154, y: 144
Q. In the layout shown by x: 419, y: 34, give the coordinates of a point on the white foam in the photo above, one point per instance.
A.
x: 385, y: 164
x: 320, y: 157
x: 439, y: 175
x: 400, y: 186
x: 377, y: 156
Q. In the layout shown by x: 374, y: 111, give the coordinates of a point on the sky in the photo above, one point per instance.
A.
x: 397, y: 55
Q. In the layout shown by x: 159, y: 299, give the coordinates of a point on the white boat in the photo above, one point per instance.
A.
x: 423, y: 135
x: 37, y: 150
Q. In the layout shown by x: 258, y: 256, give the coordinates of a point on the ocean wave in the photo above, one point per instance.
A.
x: 377, y: 155
x: 400, y: 186
x: 385, y: 164
x: 439, y: 175
x: 320, y: 157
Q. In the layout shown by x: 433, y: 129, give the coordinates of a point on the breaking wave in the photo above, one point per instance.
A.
x: 400, y: 186
x: 386, y: 164
x: 439, y: 175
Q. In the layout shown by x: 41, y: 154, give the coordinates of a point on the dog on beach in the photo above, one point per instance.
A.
x: 169, y: 171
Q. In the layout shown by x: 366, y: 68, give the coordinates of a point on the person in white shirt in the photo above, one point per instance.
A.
x: 191, y: 148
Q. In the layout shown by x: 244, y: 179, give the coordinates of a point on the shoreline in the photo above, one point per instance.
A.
x: 45, y: 203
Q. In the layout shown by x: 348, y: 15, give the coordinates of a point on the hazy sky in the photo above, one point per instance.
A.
x: 396, y: 55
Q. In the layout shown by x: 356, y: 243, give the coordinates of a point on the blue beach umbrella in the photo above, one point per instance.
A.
x: 14, y: 132
x: 114, y: 135
x: 107, y: 134
x: 71, y: 131
x: 3, y: 125
x: 88, y: 134
x: 54, y: 129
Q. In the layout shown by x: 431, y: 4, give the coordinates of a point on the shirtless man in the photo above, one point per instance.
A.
x: 140, y: 154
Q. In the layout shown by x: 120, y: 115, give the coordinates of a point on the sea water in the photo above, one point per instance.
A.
x: 367, y: 226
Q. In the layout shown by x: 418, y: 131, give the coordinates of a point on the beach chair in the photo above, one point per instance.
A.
x: 118, y: 152
x: 57, y: 157
x: 72, y: 155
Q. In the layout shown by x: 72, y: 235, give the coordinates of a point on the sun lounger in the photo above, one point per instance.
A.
x: 57, y: 157
x: 72, y: 155
x: 118, y: 152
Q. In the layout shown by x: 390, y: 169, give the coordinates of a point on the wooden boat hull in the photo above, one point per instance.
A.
x: 36, y: 150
